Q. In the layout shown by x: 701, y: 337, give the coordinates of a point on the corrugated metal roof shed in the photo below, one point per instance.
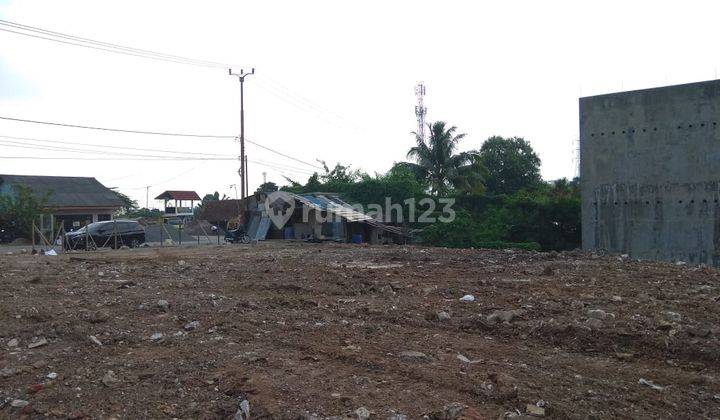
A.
x: 65, y: 191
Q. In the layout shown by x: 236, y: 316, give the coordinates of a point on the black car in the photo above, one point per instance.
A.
x: 113, y: 233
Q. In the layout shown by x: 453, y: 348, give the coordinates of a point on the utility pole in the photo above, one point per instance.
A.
x: 147, y: 197
x: 243, y: 159
x: 247, y: 177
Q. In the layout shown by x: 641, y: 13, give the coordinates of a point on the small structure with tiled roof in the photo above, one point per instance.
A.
x: 177, y: 198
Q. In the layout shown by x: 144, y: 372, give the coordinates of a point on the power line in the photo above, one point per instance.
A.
x: 122, y: 50
x: 10, y: 143
x: 282, y: 154
x: 99, y: 159
x: 159, y: 133
x: 111, y: 147
x: 108, y: 44
x: 74, y: 40
x: 45, y: 34
x: 31, y: 145
x: 120, y: 130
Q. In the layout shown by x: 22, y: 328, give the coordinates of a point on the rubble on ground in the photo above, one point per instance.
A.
x: 340, y: 331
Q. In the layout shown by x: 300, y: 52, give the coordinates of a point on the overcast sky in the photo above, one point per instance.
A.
x: 334, y: 79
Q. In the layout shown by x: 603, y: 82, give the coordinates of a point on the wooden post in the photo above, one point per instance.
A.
x: 115, y: 232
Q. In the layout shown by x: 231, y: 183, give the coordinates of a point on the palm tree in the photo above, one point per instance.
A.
x: 439, y: 165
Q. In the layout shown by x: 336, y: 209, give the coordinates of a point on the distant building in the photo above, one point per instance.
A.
x: 650, y: 172
x: 72, y: 201
x: 310, y: 216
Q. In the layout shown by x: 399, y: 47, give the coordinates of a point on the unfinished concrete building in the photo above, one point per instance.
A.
x: 650, y: 173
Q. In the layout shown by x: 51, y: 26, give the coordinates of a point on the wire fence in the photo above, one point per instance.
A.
x: 44, y: 240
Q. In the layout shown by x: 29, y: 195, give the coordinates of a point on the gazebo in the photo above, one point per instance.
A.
x: 177, y: 198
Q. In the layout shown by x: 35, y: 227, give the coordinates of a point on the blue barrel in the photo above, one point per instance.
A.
x: 357, y: 238
x: 289, y: 233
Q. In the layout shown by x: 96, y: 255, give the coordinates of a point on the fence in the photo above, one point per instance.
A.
x: 48, y: 239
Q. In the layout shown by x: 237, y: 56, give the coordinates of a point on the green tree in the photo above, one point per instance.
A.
x: 19, y: 210
x: 511, y: 163
x: 267, y: 187
x: 129, y: 205
x: 438, y: 164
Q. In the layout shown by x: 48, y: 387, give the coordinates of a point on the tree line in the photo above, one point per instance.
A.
x: 500, y: 198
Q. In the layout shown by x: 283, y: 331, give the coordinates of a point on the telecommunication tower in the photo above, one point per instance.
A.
x: 420, y: 109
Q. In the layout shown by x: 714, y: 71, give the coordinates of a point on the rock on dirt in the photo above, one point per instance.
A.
x: 534, y: 410
x: 163, y: 305
x: 412, y: 356
x: 362, y: 413
x: 192, y: 325
x: 95, y: 340
x: 599, y: 314
x: 38, y: 343
x: 19, y: 403
x: 110, y: 379
x: 504, y: 316
x: 443, y: 316
x: 13, y: 343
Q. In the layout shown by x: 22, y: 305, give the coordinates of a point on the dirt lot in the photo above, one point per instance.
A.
x: 299, y: 330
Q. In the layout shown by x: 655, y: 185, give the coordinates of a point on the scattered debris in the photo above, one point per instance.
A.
x: 651, y: 384
x: 163, y: 305
x: 673, y: 316
x: 467, y: 298
x: 110, y: 379
x: 19, y: 403
x: 535, y: 410
x: 38, y: 343
x: 7, y: 372
x: 464, y: 359
x: 243, y: 409
x: 599, y: 314
x: 413, y: 356
x: 192, y: 325
x: 362, y: 413
x: 504, y: 316
x: 285, y: 310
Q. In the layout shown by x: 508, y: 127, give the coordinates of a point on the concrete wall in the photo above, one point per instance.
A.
x: 650, y: 172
